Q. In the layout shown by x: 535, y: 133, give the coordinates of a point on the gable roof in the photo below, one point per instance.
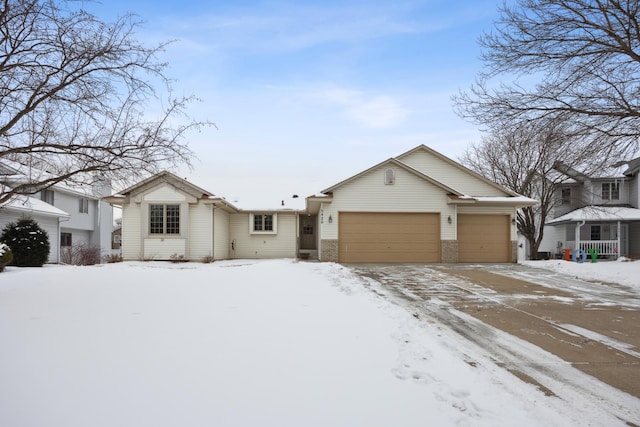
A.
x: 455, y: 195
x: 171, y: 179
x: 404, y: 166
x: 459, y: 166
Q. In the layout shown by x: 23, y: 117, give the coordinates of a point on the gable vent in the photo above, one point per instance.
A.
x: 389, y: 176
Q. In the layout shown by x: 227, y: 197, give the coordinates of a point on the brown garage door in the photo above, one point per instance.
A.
x: 484, y: 238
x: 389, y: 237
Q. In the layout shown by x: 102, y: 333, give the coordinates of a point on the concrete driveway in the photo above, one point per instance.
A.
x: 592, y: 326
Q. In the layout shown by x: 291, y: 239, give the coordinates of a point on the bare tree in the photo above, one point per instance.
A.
x: 523, y: 158
x: 75, y: 96
x: 574, y: 60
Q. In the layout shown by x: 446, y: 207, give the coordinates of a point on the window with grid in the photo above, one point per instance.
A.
x: 83, y: 206
x: 610, y: 191
x: 566, y: 196
x: 595, y: 232
x: 173, y: 219
x: 164, y: 219
x: 615, y: 191
x: 263, y: 223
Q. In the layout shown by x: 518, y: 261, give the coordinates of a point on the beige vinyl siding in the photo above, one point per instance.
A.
x: 368, y: 193
x: 165, y: 193
x: 279, y: 245
x: 200, y: 232
x: 450, y: 175
x: 221, y: 241
x: 163, y: 249
x: 132, y: 223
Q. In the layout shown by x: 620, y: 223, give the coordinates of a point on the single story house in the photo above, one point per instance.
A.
x: 418, y: 207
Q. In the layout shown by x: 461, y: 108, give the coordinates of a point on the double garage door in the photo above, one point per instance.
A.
x: 415, y: 237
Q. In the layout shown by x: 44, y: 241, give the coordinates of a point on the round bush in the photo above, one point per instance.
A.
x: 6, y: 256
x: 28, y: 242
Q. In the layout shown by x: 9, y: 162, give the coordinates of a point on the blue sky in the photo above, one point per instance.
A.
x: 308, y: 93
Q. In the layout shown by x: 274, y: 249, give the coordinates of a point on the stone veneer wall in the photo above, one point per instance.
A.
x: 329, y: 250
x: 449, y: 250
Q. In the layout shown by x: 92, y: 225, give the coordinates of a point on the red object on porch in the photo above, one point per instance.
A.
x: 567, y: 254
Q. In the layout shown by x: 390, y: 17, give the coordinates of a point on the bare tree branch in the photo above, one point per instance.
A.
x: 73, y: 96
x: 584, y: 56
x: 523, y: 158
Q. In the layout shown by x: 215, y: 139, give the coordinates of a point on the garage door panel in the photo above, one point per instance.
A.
x: 484, y: 238
x: 389, y: 237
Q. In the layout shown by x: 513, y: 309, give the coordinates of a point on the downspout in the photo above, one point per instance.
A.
x: 580, y: 224
x: 619, y: 248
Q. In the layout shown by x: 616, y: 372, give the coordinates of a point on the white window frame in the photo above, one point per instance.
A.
x: 252, y: 218
x: 164, y: 220
x: 83, y: 206
x: 612, y: 187
x: 48, y: 196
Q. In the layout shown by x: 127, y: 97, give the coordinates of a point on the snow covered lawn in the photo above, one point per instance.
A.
x: 239, y: 343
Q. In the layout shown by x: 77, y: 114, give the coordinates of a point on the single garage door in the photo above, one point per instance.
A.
x: 484, y: 238
x: 389, y: 237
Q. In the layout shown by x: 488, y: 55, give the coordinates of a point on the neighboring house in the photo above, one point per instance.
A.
x: 47, y: 216
x: 72, y: 215
x: 597, y: 212
x: 418, y: 207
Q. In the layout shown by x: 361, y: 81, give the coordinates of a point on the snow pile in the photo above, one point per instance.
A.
x: 243, y: 343
x: 623, y: 271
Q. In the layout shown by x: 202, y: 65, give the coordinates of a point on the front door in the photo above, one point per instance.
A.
x: 308, y: 232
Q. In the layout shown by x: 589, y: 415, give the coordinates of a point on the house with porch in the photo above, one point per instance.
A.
x: 417, y: 207
x: 597, y: 212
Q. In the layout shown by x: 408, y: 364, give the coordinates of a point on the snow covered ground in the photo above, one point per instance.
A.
x: 250, y: 343
x: 623, y: 271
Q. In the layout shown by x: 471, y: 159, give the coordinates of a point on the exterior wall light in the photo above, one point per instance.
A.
x: 330, y: 219
x: 449, y: 219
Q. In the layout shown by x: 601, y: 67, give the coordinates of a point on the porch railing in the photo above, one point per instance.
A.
x: 605, y: 247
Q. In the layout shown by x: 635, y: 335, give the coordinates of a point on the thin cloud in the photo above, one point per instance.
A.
x: 291, y: 27
x: 372, y: 111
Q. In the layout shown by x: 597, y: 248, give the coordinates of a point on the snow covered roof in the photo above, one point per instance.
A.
x: 520, y: 201
x: 18, y: 173
x: 598, y: 213
x: 32, y: 205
